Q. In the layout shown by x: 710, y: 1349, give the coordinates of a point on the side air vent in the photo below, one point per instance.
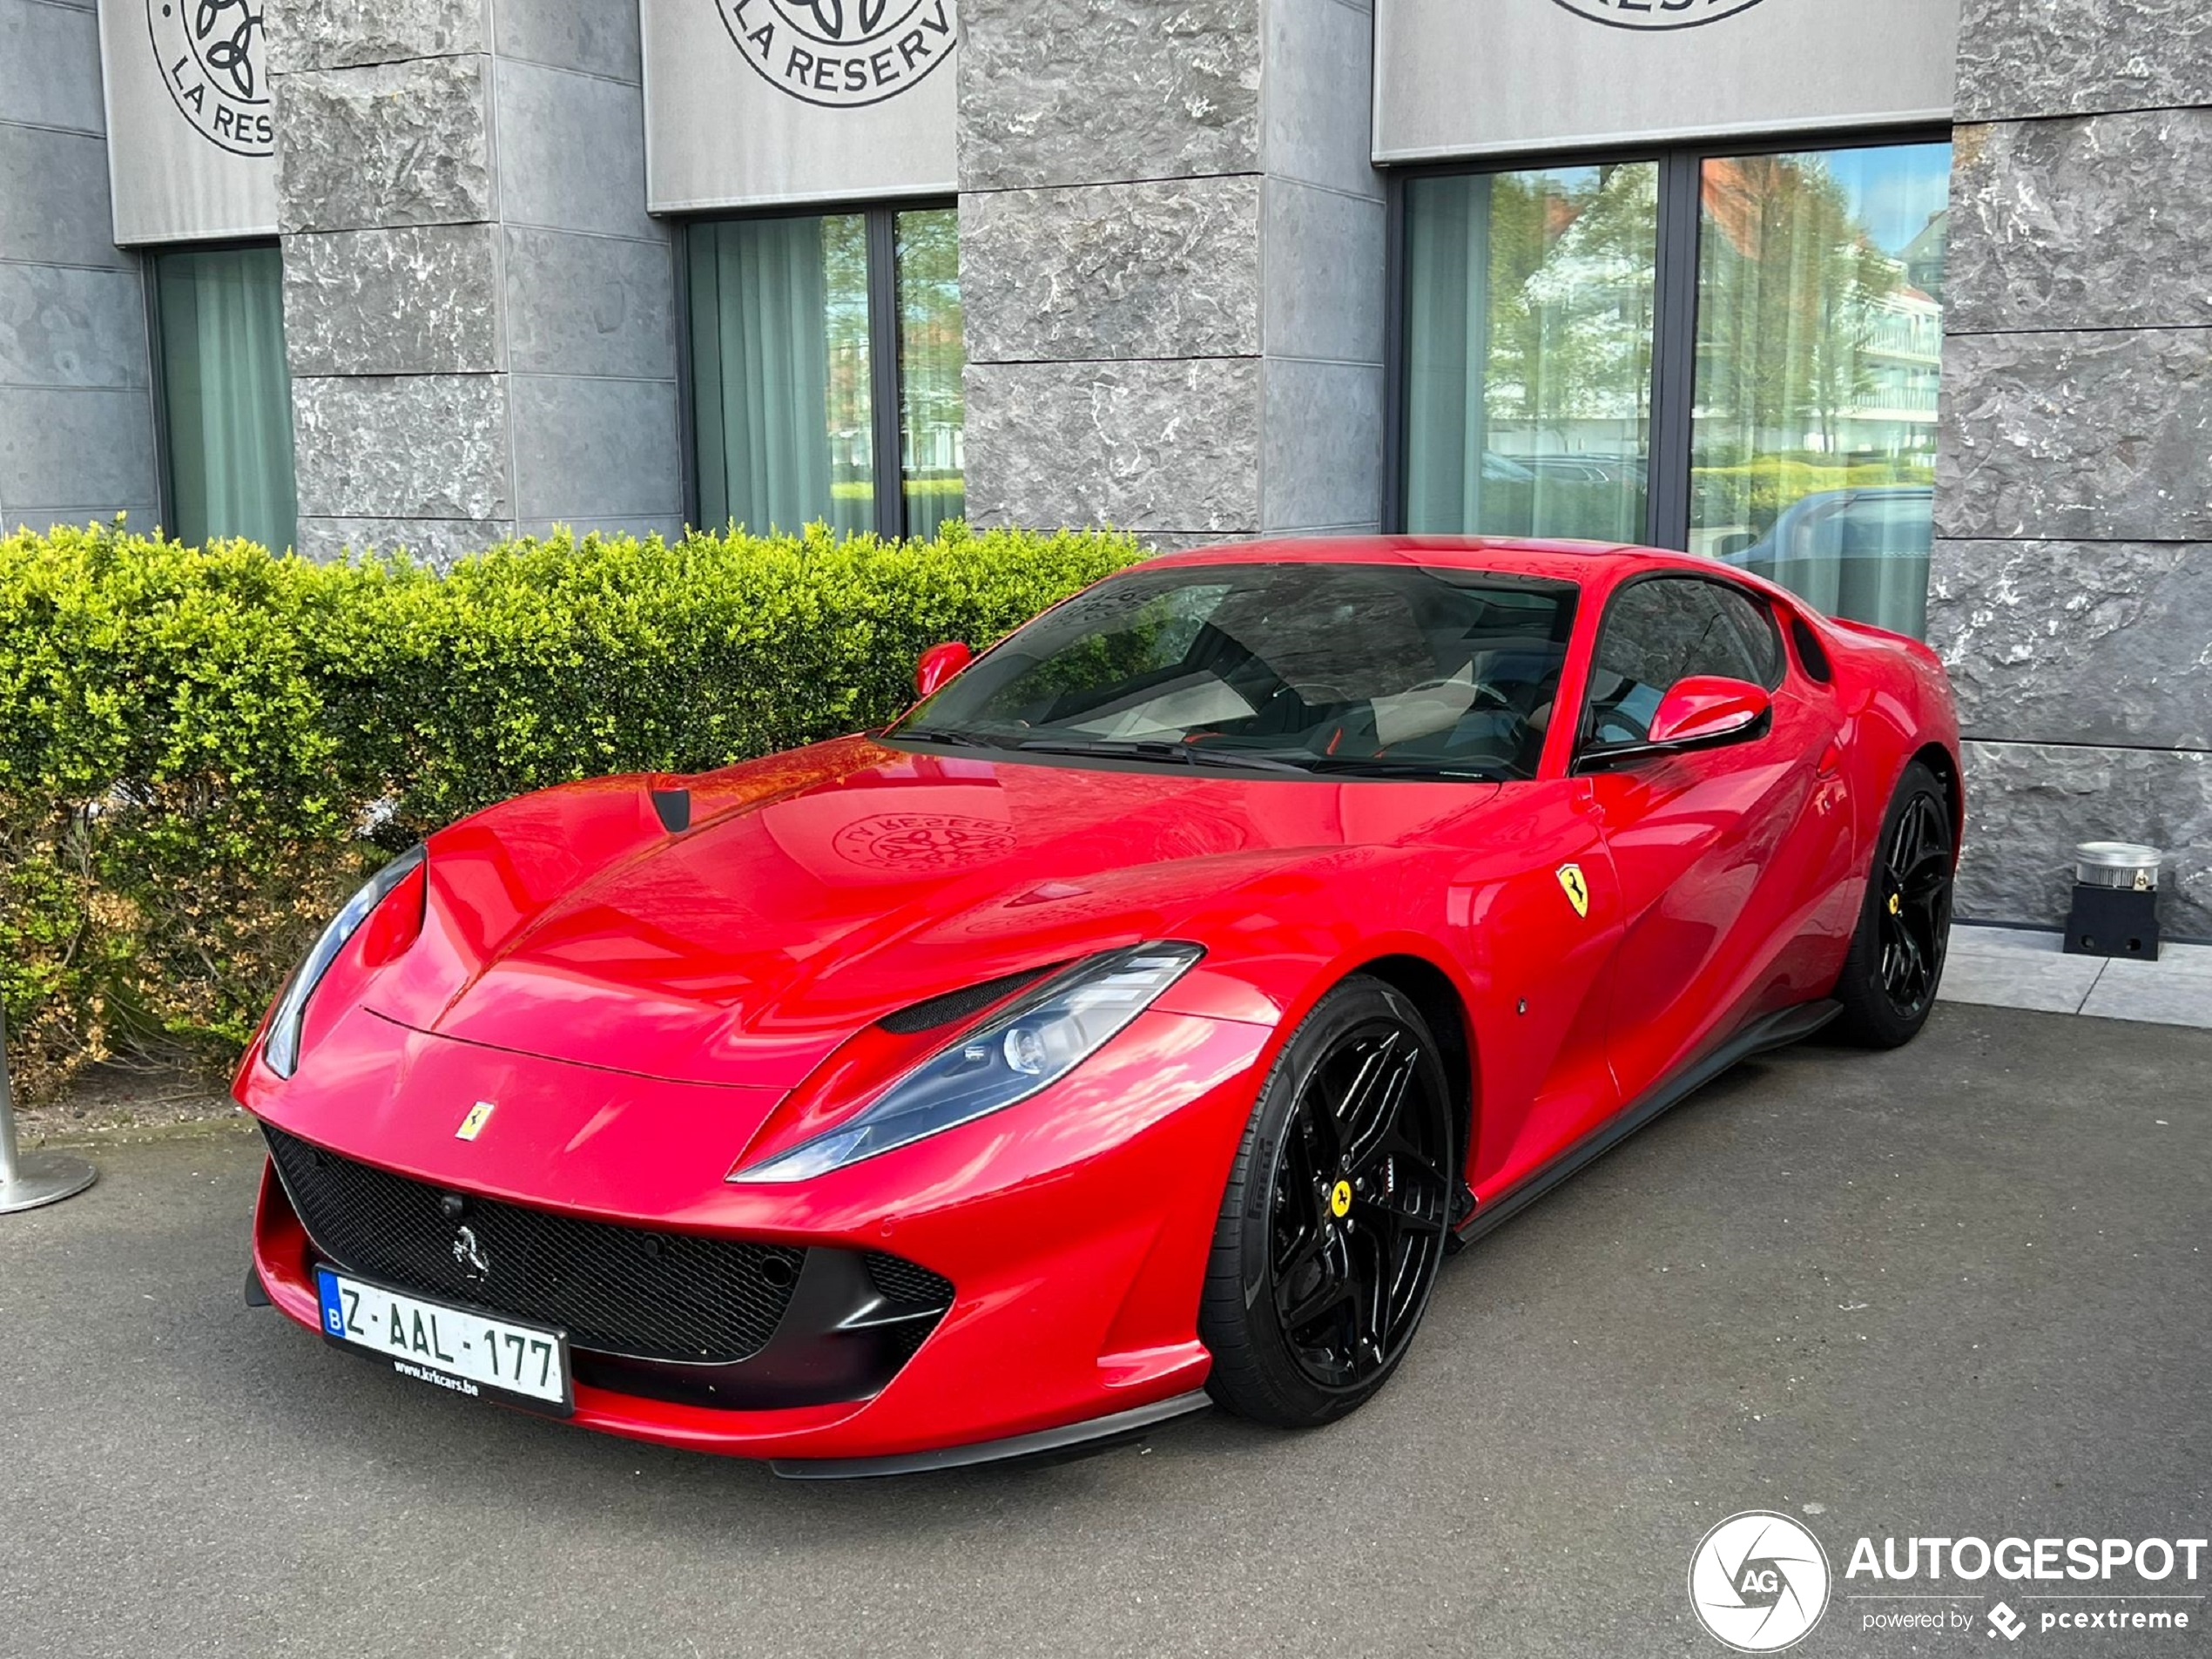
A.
x: 1810, y: 657
x: 955, y: 1006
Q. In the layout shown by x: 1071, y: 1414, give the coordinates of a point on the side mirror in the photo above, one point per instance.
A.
x: 939, y: 664
x: 1704, y: 707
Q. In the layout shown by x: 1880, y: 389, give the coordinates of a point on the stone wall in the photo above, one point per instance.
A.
x: 2072, y: 591
x: 1169, y: 238
x: 479, y: 315
x: 76, y: 432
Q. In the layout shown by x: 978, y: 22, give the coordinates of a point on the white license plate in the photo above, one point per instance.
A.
x: 454, y: 1348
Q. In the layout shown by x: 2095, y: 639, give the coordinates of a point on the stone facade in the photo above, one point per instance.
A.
x: 77, y: 428
x: 1171, y: 238
x: 2072, y: 587
x: 479, y: 315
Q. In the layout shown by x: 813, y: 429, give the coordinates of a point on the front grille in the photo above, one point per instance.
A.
x: 615, y: 1289
x: 904, y: 1281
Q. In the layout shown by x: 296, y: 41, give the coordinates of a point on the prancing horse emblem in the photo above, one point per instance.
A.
x: 468, y: 1254
x: 473, y: 1125
x: 1577, y: 890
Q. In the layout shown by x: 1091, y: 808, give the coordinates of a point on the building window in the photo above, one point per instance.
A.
x: 225, y: 395
x: 1734, y: 353
x: 825, y: 349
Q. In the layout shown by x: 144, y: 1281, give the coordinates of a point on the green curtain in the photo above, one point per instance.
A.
x: 781, y: 372
x: 226, y: 394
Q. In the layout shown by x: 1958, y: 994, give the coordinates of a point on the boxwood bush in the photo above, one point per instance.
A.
x: 203, y: 749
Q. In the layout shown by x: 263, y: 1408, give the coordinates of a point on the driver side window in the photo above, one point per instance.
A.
x: 1664, y: 629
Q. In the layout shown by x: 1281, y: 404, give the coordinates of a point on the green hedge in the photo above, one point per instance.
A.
x: 202, y: 750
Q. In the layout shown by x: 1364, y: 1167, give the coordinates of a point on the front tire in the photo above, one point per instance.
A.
x: 1896, y: 962
x: 1336, y: 1215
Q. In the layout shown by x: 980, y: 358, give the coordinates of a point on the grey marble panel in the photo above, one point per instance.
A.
x: 1321, y: 446
x: 597, y: 36
x: 419, y: 446
x: 2022, y: 58
x: 1166, y: 269
x: 572, y: 152
x: 590, y: 305
x: 55, y: 188
x: 87, y: 445
x: 2028, y: 804
x: 1093, y: 91
x: 1317, y: 94
x: 437, y: 541
x: 64, y: 327
x: 137, y: 516
x: 344, y: 34
x: 2073, y: 642
x: 1324, y: 265
x: 419, y: 299
x: 49, y: 66
x: 2100, y: 222
x: 2100, y: 436
x: 595, y: 449
x: 1146, y: 446
x: 395, y: 144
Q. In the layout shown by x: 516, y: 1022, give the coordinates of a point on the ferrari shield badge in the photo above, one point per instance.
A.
x: 1577, y: 891
x: 473, y: 1125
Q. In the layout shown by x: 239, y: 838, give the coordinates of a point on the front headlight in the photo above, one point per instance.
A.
x: 282, y: 1048
x: 1029, y: 1047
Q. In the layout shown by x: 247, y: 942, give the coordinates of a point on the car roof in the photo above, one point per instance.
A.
x: 1566, y: 561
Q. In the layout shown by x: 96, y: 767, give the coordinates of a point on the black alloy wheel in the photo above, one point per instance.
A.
x: 1336, y: 1217
x: 1896, y: 962
x: 1913, y: 908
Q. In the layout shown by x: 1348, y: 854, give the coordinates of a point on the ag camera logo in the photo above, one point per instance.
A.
x: 1758, y: 1582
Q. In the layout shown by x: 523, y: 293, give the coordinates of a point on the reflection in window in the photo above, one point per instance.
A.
x: 1528, y: 329
x: 1819, y: 353
x: 932, y: 352
x: 781, y: 372
x: 226, y: 395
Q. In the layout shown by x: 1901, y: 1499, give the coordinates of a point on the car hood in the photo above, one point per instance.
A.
x: 810, y: 895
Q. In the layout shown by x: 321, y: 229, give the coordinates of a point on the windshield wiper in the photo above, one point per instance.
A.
x: 1392, y: 766
x: 1157, y: 749
x: 962, y: 739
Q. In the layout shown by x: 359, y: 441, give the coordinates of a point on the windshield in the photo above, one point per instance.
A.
x: 1377, y: 670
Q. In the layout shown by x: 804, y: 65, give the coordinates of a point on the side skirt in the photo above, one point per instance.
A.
x: 1774, y: 1030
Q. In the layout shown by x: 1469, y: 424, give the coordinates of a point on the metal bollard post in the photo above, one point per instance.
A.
x: 29, y: 1179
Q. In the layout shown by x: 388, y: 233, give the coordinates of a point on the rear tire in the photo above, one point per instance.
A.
x: 1336, y: 1214
x: 1889, y: 981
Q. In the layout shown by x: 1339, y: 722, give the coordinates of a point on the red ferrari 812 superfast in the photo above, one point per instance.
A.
x: 1138, y: 1020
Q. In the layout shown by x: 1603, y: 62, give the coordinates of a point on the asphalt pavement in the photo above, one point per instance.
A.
x: 1962, y: 1288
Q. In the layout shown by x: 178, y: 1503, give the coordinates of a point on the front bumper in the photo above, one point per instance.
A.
x: 1073, y: 1231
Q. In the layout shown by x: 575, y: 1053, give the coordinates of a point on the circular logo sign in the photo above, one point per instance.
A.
x: 922, y: 841
x: 842, y: 54
x: 1759, y: 1581
x: 1657, y: 14
x: 210, y: 55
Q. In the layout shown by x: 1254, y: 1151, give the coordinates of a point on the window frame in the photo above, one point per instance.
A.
x: 1586, y: 756
x: 879, y: 218
x: 1673, y: 300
